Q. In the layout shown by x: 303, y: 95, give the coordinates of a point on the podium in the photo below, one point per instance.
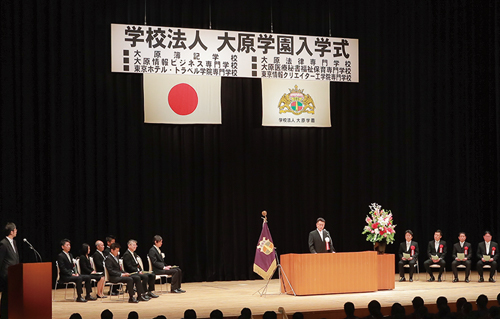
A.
x: 315, y: 274
x: 30, y: 291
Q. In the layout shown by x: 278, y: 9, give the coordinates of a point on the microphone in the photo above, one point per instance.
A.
x: 37, y: 255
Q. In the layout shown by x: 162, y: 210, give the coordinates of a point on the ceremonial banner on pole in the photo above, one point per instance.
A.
x: 295, y: 103
x: 182, y: 99
x: 265, y: 259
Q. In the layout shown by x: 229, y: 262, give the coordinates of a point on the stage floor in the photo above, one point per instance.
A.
x: 231, y: 296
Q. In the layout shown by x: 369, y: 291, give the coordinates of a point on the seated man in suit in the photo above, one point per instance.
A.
x: 465, y: 248
x: 160, y: 268
x: 131, y: 265
x: 99, y: 257
x: 487, y: 249
x: 68, y: 272
x: 118, y: 275
x: 110, y: 239
x: 320, y: 240
x: 436, y: 251
x: 410, y: 248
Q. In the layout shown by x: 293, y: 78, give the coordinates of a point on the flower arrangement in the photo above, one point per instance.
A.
x: 380, y: 225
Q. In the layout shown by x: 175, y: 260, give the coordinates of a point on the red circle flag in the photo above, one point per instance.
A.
x: 183, y: 99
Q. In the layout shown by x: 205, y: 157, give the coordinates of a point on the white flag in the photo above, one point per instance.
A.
x: 295, y: 103
x: 182, y: 99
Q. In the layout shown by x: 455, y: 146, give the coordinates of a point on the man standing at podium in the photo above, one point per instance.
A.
x: 320, y: 240
x: 8, y: 256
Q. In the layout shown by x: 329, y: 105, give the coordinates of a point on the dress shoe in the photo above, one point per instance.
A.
x: 152, y: 295
x: 181, y: 290
x: 80, y: 299
x: 142, y: 298
x: 439, y: 279
x: 431, y: 279
x: 132, y: 300
x: 467, y: 280
x: 455, y: 280
x: 401, y: 279
x: 411, y: 279
x: 103, y: 296
x: 145, y: 296
x: 177, y: 291
x: 481, y: 279
x: 491, y: 279
x: 90, y: 298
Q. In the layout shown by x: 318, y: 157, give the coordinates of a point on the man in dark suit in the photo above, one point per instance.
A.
x: 436, y: 251
x: 462, y: 247
x: 99, y: 257
x: 160, y: 268
x: 110, y: 239
x: 410, y: 248
x: 487, y: 248
x: 132, y: 266
x: 116, y: 274
x: 320, y: 240
x: 68, y: 272
x: 9, y: 256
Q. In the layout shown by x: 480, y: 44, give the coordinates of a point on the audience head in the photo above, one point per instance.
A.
x: 467, y: 308
x: 460, y: 303
x: 349, y: 309
x: 498, y: 298
x: 160, y: 317
x: 110, y: 239
x: 75, y: 316
x: 106, y: 314
x: 417, y: 302
x: 216, y: 314
x: 441, y: 301
x: 494, y: 312
x: 482, y: 301
x: 422, y: 312
x: 298, y: 315
x: 444, y: 311
x: 85, y: 249
x: 190, y: 314
x: 246, y: 313
x: 374, y: 308
x: 99, y: 245
x: 269, y: 315
x: 133, y: 315
x: 10, y: 228
x: 397, y: 310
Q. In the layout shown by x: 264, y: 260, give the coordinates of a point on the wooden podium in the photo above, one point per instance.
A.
x: 315, y: 274
x: 30, y: 291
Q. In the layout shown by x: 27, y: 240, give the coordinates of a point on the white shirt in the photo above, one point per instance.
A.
x: 436, y: 245
x: 487, y: 243
x: 320, y: 233
x: 408, y: 243
x: 462, y: 244
x: 12, y: 243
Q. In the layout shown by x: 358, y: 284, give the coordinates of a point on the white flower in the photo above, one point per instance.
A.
x: 377, y: 231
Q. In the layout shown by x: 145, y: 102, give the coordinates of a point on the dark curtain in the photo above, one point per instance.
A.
x: 419, y: 134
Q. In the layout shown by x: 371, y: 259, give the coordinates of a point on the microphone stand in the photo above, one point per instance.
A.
x: 37, y: 255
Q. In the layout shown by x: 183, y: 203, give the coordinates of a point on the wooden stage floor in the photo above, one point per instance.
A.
x: 231, y: 296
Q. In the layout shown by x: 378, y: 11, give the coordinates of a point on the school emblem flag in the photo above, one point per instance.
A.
x: 295, y: 103
x: 265, y: 259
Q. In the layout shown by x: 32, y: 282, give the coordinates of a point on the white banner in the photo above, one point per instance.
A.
x: 295, y: 103
x: 182, y: 99
x: 169, y: 50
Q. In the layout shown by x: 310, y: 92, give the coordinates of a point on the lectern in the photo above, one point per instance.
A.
x: 30, y: 291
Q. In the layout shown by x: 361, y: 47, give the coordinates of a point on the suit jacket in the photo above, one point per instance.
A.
x: 98, y: 261
x: 431, y: 249
x: 402, y: 249
x: 129, y: 263
x: 156, y: 258
x: 106, y: 251
x: 113, y: 267
x: 481, y: 250
x: 8, y: 257
x: 66, y: 267
x: 318, y: 245
x: 458, y: 249
x: 85, y: 265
